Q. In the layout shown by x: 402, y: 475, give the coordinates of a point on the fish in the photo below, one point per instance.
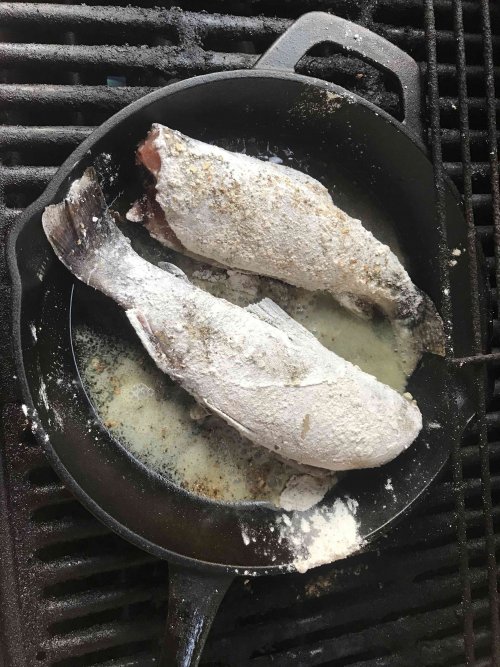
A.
x: 239, y: 212
x: 256, y: 368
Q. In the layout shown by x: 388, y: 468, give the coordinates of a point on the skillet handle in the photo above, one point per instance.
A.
x: 318, y: 27
x: 193, y: 600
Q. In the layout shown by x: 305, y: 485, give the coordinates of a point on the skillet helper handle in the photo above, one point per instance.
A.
x: 193, y: 600
x: 318, y: 27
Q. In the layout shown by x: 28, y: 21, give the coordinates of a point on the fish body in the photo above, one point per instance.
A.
x: 241, y: 212
x: 256, y: 368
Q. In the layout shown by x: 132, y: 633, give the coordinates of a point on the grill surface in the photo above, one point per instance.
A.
x: 74, y: 594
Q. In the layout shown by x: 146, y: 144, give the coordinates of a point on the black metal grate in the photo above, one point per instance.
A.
x: 74, y: 594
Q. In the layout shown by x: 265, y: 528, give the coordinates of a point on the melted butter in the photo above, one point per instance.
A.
x: 151, y: 416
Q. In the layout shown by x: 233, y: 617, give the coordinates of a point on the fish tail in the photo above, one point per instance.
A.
x: 429, y: 330
x: 81, y: 229
x: 426, y: 329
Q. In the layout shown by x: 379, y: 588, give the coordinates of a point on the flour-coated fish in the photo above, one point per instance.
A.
x: 241, y: 212
x: 257, y: 368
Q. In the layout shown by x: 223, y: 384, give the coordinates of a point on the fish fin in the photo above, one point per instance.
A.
x: 81, y: 225
x: 174, y: 270
x: 430, y: 330
x: 198, y: 412
x: 360, y: 307
x: 304, y: 468
x: 425, y: 331
x: 141, y: 326
x: 147, y: 212
x: 136, y: 212
x: 270, y: 312
x: 147, y: 153
x: 229, y: 420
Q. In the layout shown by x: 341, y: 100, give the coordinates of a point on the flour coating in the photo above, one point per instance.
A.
x: 256, y: 368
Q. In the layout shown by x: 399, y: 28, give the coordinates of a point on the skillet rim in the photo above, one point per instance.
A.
x: 46, y: 198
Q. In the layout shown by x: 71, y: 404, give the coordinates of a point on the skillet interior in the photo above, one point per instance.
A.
x: 290, y: 111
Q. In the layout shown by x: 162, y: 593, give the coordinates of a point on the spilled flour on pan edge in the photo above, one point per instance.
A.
x: 324, y: 536
x: 304, y: 491
x: 313, y: 538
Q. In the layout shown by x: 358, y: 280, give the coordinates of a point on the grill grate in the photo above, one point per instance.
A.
x: 74, y: 594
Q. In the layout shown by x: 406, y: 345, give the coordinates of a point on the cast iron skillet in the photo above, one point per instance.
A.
x: 386, y: 166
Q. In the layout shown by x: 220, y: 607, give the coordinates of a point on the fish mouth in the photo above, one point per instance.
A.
x: 147, y: 212
x: 147, y: 155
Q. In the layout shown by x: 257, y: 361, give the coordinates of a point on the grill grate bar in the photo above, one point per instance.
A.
x: 468, y: 619
x: 320, y: 616
x: 469, y: 6
x: 457, y: 466
x: 77, y: 567
x: 165, y: 59
x: 66, y: 530
x: 141, y: 660
x: 18, y: 137
x: 479, y: 359
x: 341, y: 584
x: 450, y: 135
x: 81, y: 98
x: 168, y: 61
x: 472, y: 71
x: 21, y: 176
x: 476, y: 169
x: 409, y: 40
x: 426, y: 626
x: 423, y: 564
x: 485, y: 466
x: 9, y: 215
x: 450, y: 648
x: 182, y: 62
x: 80, y: 17
x: 342, y: 646
x: 47, y: 496
x: 11, y: 624
x: 450, y: 103
x: 480, y: 200
x: 88, y: 602
x: 27, y: 456
x: 438, y: 168
x: 100, y: 637
x: 181, y: 25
